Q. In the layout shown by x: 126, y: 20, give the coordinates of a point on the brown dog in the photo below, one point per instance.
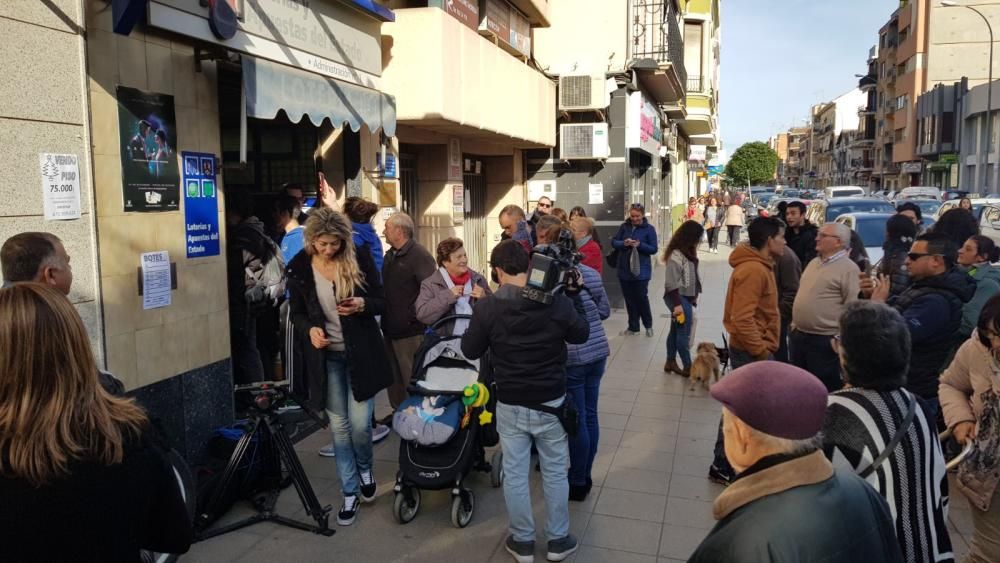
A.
x: 706, y: 365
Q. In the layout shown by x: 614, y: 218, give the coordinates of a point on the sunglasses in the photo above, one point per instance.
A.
x: 914, y: 256
x: 546, y: 205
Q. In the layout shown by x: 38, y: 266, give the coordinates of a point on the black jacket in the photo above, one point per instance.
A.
x: 527, y: 343
x: 803, y: 242
x: 402, y: 273
x: 894, y: 265
x: 246, y: 243
x: 799, y: 511
x: 932, y: 309
x: 367, y: 364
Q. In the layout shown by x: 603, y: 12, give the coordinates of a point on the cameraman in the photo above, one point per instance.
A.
x: 527, y: 343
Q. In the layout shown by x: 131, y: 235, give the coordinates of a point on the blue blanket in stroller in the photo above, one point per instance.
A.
x: 428, y: 420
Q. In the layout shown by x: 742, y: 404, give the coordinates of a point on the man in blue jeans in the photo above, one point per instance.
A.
x: 527, y: 344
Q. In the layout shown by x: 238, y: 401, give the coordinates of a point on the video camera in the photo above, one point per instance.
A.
x: 553, y: 269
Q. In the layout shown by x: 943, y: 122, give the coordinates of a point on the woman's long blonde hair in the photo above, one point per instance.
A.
x: 53, y: 410
x: 327, y: 221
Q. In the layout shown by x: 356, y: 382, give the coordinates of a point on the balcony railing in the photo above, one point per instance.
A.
x: 695, y: 84
x: 656, y: 34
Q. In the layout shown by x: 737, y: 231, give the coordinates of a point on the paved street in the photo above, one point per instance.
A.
x: 651, y: 501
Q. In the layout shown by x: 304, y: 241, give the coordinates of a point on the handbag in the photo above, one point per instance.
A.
x: 612, y: 258
x: 566, y: 413
x: 633, y: 262
x: 896, y: 439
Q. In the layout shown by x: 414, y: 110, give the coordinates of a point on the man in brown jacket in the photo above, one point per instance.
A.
x: 751, y: 314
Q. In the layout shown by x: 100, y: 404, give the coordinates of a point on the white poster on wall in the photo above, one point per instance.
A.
x: 155, y: 279
x: 60, y: 186
x: 539, y: 188
x: 596, y: 194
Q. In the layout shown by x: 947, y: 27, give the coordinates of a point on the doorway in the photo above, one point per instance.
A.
x: 474, y: 183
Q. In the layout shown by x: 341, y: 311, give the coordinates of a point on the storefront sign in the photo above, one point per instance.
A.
x: 454, y: 160
x: 148, y: 143
x: 60, y: 186
x: 389, y: 170
x: 643, y: 129
x: 910, y: 168
x: 155, y: 279
x: 201, y: 205
x: 715, y: 169
x: 698, y: 153
x: 496, y: 18
x: 520, y: 32
x: 465, y: 11
x: 458, y: 203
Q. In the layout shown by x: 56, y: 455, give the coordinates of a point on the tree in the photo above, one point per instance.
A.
x: 753, y: 163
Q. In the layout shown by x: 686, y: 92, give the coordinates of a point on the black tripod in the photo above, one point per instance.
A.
x: 268, y: 430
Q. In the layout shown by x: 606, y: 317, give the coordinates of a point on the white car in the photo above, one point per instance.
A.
x: 871, y: 228
x: 977, y: 206
x: 844, y: 191
x: 919, y: 192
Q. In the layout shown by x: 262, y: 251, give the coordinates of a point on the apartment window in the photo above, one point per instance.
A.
x: 693, y: 56
x: 948, y: 127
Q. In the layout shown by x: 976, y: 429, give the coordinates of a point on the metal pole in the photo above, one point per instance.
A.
x: 989, y: 99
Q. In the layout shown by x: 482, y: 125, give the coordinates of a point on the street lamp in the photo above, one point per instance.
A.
x: 989, y: 84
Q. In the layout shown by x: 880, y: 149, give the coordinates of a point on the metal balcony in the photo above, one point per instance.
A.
x: 657, y: 49
x: 695, y: 84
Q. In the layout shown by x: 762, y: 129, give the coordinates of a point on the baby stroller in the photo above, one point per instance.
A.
x: 444, y: 437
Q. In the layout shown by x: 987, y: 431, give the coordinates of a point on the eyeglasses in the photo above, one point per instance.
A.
x: 546, y: 205
x: 824, y: 235
x: 914, y: 256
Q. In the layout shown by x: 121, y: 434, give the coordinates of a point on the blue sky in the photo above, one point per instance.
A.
x: 781, y: 56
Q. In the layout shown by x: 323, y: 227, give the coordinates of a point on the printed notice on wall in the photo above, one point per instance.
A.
x: 155, y: 279
x: 596, y: 194
x: 60, y: 186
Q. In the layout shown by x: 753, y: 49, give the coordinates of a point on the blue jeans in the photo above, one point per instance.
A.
x: 679, y: 339
x: 583, y: 384
x: 519, y: 427
x: 350, y: 422
x: 636, y: 294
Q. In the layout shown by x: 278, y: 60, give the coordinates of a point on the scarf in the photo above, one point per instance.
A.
x: 462, y: 279
x: 583, y: 241
x: 464, y: 304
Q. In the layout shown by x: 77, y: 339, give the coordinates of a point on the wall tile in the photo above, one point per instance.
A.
x: 184, y: 75
x: 104, y: 120
x: 159, y: 68
x: 122, y: 360
x: 206, y: 87
x: 218, y: 335
x: 175, y: 346
x: 152, y: 364
x: 132, y: 62
x: 102, y: 59
x: 98, y: 15
x: 56, y: 87
x: 60, y: 15
x: 119, y: 296
x: 198, y: 348
x: 91, y: 317
x: 187, y: 128
x: 20, y: 175
x: 108, y: 185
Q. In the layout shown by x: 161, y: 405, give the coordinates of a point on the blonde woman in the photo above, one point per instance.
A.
x: 335, y: 295
x: 80, y: 478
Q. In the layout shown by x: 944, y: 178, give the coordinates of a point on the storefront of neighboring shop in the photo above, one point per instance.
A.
x: 192, y: 108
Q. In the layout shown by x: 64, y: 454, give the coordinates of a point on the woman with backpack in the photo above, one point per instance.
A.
x: 636, y: 242
x: 336, y: 293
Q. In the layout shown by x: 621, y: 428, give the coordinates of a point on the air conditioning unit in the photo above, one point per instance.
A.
x: 579, y: 141
x: 582, y: 92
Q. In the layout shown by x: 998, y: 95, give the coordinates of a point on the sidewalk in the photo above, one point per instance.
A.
x: 651, y: 500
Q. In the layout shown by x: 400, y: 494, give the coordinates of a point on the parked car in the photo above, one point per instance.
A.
x: 871, y: 228
x: 772, y: 204
x: 989, y: 221
x: 928, y: 207
x: 919, y: 192
x: 824, y: 210
x: 954, y: 194
x: 843, y: 191
x: 977, y: 206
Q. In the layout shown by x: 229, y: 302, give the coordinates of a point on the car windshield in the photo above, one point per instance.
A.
x: 861, y: 206
x: 846, y: 192
x: 871, y: 230
x: 764, y: 199
x: 927, y: 206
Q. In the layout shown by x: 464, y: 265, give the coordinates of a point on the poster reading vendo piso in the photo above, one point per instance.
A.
x: 148, y: 139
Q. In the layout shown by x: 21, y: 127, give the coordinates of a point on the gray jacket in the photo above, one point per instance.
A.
x: 681, y: 275
x: 436, y: 301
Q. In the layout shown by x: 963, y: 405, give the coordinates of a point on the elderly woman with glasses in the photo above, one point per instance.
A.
x: 864, y: 419
x: 636, y: 243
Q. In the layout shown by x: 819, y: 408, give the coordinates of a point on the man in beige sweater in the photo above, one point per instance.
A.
x: 829, y: 282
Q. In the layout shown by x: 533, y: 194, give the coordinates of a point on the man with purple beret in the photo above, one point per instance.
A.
x: 787, y: 502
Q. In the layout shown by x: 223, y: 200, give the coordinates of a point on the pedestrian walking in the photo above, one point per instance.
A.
x: 713, y: 222
x: 974, y: 258
x: 83, y: 476
x: 828, y: 283
x: 336, y: 294
x: 969, y: 389
x: 454, y: 289
x: 734, y: 221
x: 780, y: 507
x: 585, y: 365
x: 681, y: 288
x: 527, y: 343
x: 407, y: 265
x: 863, y: 421
x: 900, y: 232
x: 751, y: 315
x: 636, y: 243
x: 801, y: 234
x: 932, y: 307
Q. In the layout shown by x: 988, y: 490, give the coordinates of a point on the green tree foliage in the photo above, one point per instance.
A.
x: 752, y: 162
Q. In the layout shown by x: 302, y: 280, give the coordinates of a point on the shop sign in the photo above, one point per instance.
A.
x: 715, y: 170
x: 496, y: 19
x: 698, y: 153
x: 643, y: 129
x: 458, y: 202
x: 465, y: 11
x: 910, y: 168
x: 454, y: 160
x: 147, y: 134
x: 520, y: 32
x: 390, y: 170
x: 201, y: 205
x: 60, y: 186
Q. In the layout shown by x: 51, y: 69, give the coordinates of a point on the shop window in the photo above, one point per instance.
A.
x: 948, y: 127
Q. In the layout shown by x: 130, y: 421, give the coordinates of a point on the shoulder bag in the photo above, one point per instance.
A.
x: 904, y: 427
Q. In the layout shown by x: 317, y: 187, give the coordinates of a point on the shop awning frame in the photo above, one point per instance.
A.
x: 269, y: 87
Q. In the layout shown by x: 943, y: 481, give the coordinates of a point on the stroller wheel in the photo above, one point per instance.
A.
x: 462, y: 507
x: 496, y: 472
x: 406, y: 504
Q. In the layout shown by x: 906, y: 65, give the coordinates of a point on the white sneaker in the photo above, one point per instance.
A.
x: 328, y: 451
x: 349, y: 511
x: 380, y: 432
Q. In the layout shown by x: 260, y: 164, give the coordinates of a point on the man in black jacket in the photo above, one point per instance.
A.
x: 527, y: 344
x: 932, y: 308
x: 801, y: 234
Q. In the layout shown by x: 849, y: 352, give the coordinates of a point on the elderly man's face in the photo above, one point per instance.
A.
x: 827, y: 241
x: 509, y: 224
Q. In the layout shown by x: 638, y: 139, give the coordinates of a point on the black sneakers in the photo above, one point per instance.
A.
x: 561, y: 548
x: 523, y: 551
x: 349, y: 511
x: 719, y: 476
x: 368, y: 486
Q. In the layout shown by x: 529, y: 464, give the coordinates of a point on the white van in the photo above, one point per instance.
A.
x: 919, y: 192
x: 843, y: 191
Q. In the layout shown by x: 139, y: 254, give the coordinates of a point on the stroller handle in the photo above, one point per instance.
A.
x: 448, y: 318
